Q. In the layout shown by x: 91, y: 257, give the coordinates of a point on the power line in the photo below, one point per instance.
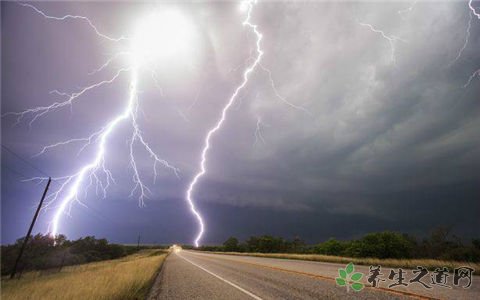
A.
x: 14, y: 171
x: 18, y: 173
x: 24, y: 160
x: 97, y: 213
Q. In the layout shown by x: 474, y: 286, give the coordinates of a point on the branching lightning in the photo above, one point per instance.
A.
x: 467, y: 37
x: 390, y: 38
x: 66, y: 17
x: 475, y: 13
x: 277, y: 94
x: 40, y: 111
x: 96, y: 171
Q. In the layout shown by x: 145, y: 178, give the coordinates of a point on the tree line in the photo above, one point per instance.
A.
x: 46, y: 252
x: 439, y: 245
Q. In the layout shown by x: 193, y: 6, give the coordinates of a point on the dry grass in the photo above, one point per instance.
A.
x: 395, y: 263
x: 126, y: 278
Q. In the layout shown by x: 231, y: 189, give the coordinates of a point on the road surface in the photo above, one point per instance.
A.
x: 198, y: 275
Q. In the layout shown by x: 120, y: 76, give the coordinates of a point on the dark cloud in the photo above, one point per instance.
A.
x: 386, y: 144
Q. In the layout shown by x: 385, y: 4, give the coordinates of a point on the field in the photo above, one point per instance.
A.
x: 126, y: 278
x: 395, y: 263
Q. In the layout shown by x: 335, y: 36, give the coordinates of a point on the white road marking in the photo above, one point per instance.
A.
x: 222, y: 279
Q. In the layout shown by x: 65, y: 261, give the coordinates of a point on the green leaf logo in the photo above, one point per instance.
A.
x: 357, y: 276
x: 354, y: 280
x: 350, y: 268
x: 340, y: 281
x: 356, y: 286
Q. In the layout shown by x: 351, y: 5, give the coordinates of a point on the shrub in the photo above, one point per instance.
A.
x: 43, y: 252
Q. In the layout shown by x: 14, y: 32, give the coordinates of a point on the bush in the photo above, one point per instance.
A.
x: 231, y: 244
x: 44, y: 252
x: 387, y: 244
x: 266, y: 244
x: 331, y: 247
x: 384, y: 245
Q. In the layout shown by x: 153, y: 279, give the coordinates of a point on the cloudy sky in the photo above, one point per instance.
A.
x: 359, y: 132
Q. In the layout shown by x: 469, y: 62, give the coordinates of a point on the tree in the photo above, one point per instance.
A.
x: 385, y: 244
x: 297, y: 245
x: 266, y: 244
x: 330, y: 247
x: 231, y: 244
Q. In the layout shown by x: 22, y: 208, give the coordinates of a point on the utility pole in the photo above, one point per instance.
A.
x: 138, y: 242
x: 30, y: 229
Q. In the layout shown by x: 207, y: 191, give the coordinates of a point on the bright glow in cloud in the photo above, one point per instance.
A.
x: 162, y: 35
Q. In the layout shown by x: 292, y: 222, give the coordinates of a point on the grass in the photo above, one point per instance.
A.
x: 126, y: 278
x: 394, y: 263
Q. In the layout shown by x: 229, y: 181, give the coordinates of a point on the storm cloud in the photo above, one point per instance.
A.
x: 365, y: 134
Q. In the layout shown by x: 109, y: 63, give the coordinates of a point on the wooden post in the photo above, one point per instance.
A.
x: 30, y: 229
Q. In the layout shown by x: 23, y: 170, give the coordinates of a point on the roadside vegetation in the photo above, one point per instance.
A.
x: 385, y: 248
x: 44, y: 252
x: 129, y: 277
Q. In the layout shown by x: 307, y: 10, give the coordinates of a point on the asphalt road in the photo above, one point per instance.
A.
x: 196, y: 275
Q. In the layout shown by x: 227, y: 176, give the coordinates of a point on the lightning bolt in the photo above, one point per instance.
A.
x: 66, y: 17
x: 40, y: 111
x: 467, y: 37
x: 96, y: 170
x: 408, y: 9
x: 474, y: 74
x: 203, y: 159
x: 258, y: 132
x: 472, y: 9
x: 472, y: 12
x: 390, y: 38
x: 277, y: 94
x: 475, y: 13
x: 95, y: 173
